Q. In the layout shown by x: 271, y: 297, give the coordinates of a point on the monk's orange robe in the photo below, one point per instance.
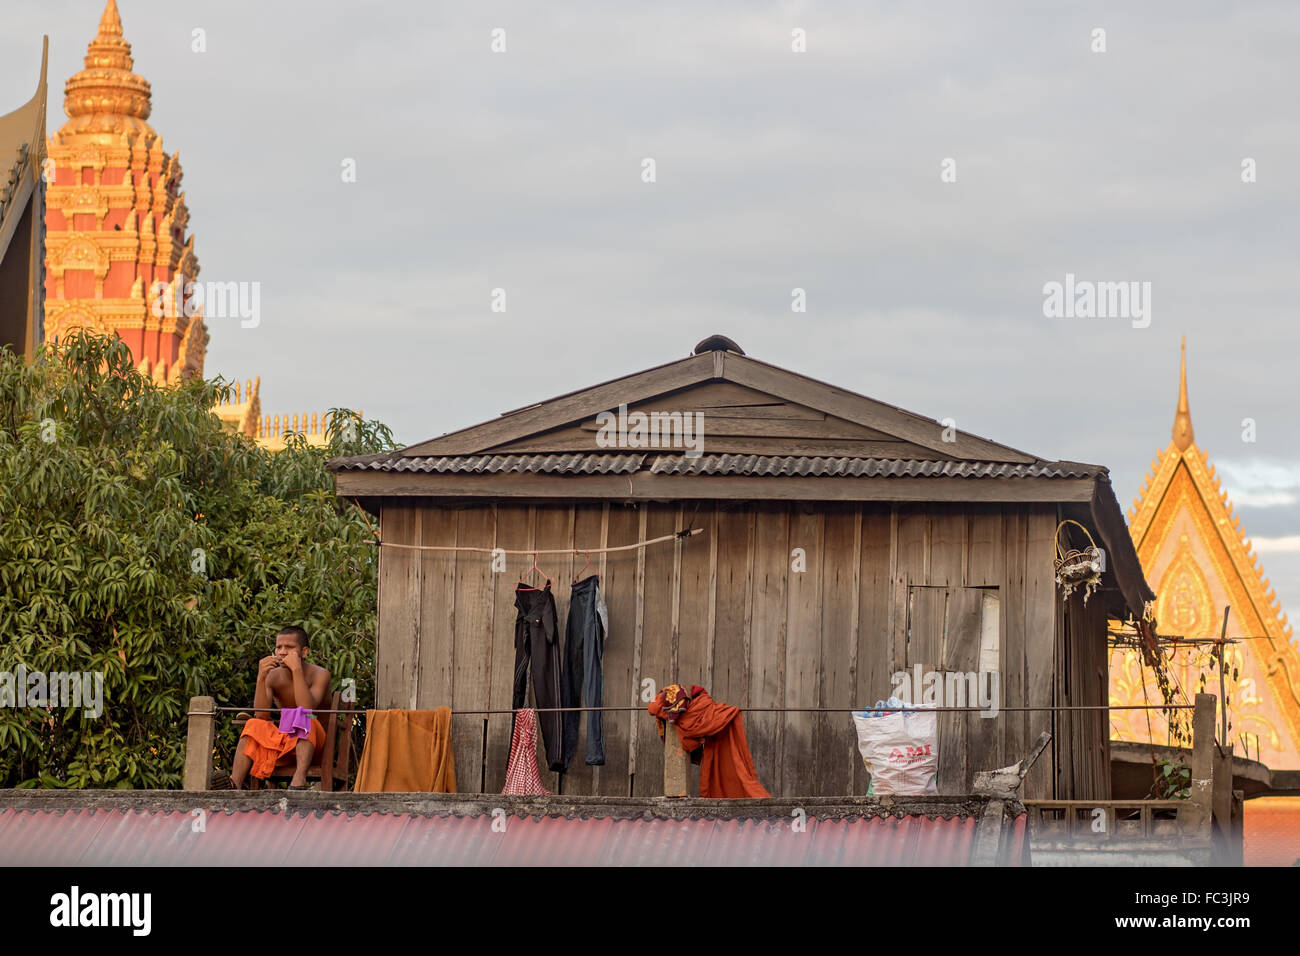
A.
x: 268, y: 747
x: 407, y: 751
x: 727, y: 769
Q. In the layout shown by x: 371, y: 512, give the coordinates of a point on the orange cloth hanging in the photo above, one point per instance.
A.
x: 268, y: 746
x: 727, y: 769
x: 407, y: 751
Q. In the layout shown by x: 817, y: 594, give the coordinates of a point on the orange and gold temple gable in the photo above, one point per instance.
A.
x: 1194, y: 552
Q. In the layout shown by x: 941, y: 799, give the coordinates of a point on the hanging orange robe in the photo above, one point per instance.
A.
x: 726, y: 767
x: 407, y: 751
x: 268, y: 746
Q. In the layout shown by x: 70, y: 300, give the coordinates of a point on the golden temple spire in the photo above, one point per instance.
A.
x: 1183, y: 435
x: 106, y: 96
x: 110, y: 24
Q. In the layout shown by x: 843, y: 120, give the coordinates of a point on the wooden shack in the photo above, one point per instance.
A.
x: 843, y: 541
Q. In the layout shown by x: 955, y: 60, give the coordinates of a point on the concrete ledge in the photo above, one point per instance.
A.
x: 1130, y: 769
x: 467, y: 804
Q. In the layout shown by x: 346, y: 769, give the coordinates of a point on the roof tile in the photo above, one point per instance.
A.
x: 751, y: 465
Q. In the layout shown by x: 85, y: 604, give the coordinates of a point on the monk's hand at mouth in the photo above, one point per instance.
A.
x: 293, y: 662
x: 266, y: 665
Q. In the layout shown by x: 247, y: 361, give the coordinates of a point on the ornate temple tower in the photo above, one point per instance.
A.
x: 116, y: 218
x: 115, y: 225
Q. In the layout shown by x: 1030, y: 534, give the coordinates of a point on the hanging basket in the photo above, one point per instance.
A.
x: 1077, y: 569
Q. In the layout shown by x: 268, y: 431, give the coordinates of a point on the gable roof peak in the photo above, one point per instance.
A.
x: 717, y: 343
x: 719, y: 364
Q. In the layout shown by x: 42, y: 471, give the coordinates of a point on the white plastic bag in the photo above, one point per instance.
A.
x: 900, y: 749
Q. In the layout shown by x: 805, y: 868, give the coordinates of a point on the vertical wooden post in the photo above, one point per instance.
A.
x: 1238, y: 835
x: 988, y: 835
x: 1224, y: 850
x: 1202, y: 739
x: 199, y: 740
x: 1202, y: 796
x: 677, y: 776
x: 1223, y: 693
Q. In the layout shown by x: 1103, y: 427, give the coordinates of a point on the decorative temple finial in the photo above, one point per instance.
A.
x: 1183, y: 436
x: 106, y: 97
x: 110, y: 24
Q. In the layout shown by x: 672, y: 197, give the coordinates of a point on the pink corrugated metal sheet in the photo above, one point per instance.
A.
x: 269, y: 837
x: 1272, y: 831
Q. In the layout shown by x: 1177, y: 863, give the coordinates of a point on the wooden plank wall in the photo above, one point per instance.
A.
x: 741, y: 612
x: 1079, y: 682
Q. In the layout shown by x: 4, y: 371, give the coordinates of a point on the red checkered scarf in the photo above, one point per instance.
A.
x: 522, y: 778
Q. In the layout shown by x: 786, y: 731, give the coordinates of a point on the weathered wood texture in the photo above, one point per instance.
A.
x: 777, y: 605
x: 1079, y: 684
x: 397, y: 650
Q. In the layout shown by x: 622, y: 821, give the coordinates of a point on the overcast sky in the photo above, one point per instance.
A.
x: 775, y: 170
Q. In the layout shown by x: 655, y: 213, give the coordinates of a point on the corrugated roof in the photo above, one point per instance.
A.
x: 87, y: 828
x: 799, y: 466
x: 494, y: 464
x: 272, y: 838
x: 751, y: 465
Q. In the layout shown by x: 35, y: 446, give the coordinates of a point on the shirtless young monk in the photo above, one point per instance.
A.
x: 285, y: 678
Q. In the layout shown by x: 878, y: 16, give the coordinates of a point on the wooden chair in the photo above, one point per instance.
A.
x: 336, y: 754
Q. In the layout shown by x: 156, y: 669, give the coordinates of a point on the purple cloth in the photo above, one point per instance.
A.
x: 296, y: 722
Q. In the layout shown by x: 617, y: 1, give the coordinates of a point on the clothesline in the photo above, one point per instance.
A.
x: 771, y: 710
x: 855, y: 710
x: 685, y: 533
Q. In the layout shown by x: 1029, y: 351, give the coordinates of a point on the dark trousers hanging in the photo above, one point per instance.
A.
x: 584, y: 647
x: 537, y: 643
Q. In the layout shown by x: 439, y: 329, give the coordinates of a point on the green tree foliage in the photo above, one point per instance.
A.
x: 142, y: 539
